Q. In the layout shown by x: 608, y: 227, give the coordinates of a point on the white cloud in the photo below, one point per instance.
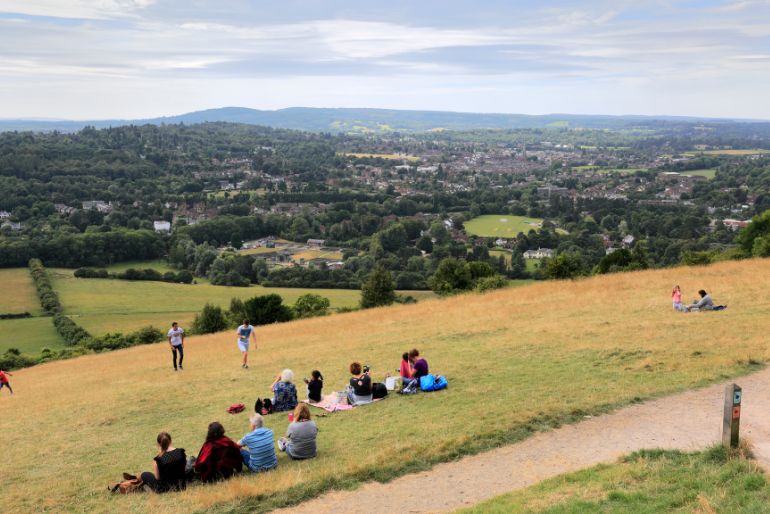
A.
x: 79, y: 9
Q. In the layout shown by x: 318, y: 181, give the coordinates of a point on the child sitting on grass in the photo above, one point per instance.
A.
x: 314, y: 386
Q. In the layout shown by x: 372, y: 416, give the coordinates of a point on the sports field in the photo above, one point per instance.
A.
x: 501, y: 225
x: 516, y: 363
x: 708, y: 173
x: 102, y: 305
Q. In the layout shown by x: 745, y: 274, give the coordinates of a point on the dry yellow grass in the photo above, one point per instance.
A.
x: 514, y: 358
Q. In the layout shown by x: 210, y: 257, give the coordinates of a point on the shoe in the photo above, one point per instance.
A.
x: 175, y: 369
x: 245, y: 366
x: 180, y: 367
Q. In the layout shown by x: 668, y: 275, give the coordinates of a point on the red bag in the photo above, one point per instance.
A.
x: 236, y: 408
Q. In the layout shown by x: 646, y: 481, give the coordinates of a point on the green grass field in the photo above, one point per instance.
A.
x: 501, y: 225
x: 102, y: 306
x: 708, y: 173
x: 17, y: 292
x: 596, y: 344
x: 30, y: 335
x: 650, y: 481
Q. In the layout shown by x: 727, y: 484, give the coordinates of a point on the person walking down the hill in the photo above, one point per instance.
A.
x: 245, y: 334
x: 285, y: 392
x: 219, y: 457
x: 419, y: 364
x: 704, y: 304
x: 168, y: 467
x: 300, y: 440
x: 360, y: 386
x: 176, y: 341
x: 314, y: 386
x: 676, y: 298
x: 4, y: 380
x: 257, y: 447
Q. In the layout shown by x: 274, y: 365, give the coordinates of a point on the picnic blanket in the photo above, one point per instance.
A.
x: 335, y: 402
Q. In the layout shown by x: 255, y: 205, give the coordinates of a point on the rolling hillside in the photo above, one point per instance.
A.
x: 518, y: 361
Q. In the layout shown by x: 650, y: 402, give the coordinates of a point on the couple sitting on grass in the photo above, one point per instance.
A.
x: 220, y: 457
x: 704, y: 304
x: 285, y: 393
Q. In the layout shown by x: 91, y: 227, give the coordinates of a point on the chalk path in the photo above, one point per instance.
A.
x: 687, y: 421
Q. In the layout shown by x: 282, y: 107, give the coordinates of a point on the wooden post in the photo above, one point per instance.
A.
x: 732, y: 415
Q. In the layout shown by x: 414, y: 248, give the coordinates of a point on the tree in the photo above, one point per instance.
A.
x: 267, y: 309
x: 451, y: 275
x: 564, y: 265
x: 311, y: 305
x: 211, y: 319
x: 378, y: 289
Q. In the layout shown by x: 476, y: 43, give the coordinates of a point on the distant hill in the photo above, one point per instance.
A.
x: 373, y: 120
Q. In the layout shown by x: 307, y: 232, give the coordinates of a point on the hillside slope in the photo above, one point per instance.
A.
x: 517, y: 360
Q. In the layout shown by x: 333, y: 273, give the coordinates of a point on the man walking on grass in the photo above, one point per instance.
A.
x: 176, y: 341
x: 245, y: 333
x: 4, y: 380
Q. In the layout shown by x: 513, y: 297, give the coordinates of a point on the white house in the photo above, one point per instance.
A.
x: 540, y: 253
x: 162, y: 226
x: 316, y: 243
x: 4, y: 215
x: 628, y: 241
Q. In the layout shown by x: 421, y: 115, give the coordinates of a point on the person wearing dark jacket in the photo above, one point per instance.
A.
x: 219, y: 457
x: 168, y: 467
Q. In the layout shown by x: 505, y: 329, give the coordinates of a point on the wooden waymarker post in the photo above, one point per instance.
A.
x: 732, y: 415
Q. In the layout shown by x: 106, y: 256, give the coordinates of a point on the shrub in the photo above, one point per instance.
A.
x: 267, y: 309
x: 91, y: 273
x: 378, y: 289
x: 311, y: 305
x: 490, y: 283
x: 71, y: 332
x: 211, y: 319
x: 49, y: 300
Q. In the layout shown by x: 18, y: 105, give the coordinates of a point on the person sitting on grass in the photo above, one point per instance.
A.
x: 285, y: 392
x: 168, y: 467
x: 360, y: 387
x: 406, y: 370
x: 219, y: 458
x: 704, y: 304
x: 260, y: 455
x: 314, y: 386
x: 300, y: 440
x: 4, y: 382
x: 419, y: 364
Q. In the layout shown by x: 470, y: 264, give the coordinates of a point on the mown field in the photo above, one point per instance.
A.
x: 708, y: 173
x: 103, y: 306
x: 715, y: 480
x: 501, y: 225
x: 17, y: 292
x: 29, y: 335
x: 517, y: 360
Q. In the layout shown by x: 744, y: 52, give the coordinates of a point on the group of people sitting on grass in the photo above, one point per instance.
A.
x: 221, y: 457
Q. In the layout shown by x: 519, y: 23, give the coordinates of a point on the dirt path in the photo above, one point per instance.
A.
x: 686, y: 421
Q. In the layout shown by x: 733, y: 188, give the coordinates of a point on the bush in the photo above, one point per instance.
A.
x: 311, y: 305
x: 211, y: 319
x: 15, y: 315
x: 49, y: 300
x: 91, y: 273
x: 267, y: 309
x: 13, y: 359
x: 71, y: 332
x: 378, y: 290
x: 490, y: 283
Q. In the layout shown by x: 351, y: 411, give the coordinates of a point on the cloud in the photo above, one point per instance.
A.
x: 78, y: 9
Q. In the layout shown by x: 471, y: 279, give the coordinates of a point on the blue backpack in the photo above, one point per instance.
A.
x: 433, y: 383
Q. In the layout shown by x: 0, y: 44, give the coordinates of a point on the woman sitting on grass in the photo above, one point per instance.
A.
x: 219, y: 457
x: 168, y: 467
x: 285, y: 392
x: 360, y: 388
x: 314, y: 386
x: 300, y: 440
x: 419, y: 364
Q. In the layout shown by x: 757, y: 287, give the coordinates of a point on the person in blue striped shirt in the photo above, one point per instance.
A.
x: 260, y: 455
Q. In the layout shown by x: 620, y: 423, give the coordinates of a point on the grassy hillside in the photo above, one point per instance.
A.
x: 649, y: 481
x: 517, y: 360
x: 102, y: 305
x: 17, y: 292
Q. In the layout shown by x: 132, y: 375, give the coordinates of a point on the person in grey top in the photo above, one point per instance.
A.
x: 300, y: 440
x: 705, y: 303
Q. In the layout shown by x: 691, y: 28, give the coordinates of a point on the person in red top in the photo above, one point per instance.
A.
x: 219, y: 457
x: 4, y: 380
x: 406, y: 371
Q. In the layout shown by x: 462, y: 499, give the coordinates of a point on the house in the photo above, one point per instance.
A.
x: 4, y: 215
x: 540, y: 253
x: 501, y: 242
x: 316, y: 243
x: 628, y: 241
x: 13, y: 225
x: 63, y: 209
x: 164, y: 227
x: 735, y: 224
x: 97, y: 205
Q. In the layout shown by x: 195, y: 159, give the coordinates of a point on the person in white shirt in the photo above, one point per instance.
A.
x: 245, y: 334
x: 176, y: 341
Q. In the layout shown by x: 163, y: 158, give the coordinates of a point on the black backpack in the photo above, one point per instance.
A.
x: 263, y: 406
x: 379, y: 390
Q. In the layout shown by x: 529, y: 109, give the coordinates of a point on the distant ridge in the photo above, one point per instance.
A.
x: 365, y: 120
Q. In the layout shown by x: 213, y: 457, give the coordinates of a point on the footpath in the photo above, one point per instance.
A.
x: 687, y: 421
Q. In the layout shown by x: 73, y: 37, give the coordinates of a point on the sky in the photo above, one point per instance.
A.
x: 106, y: 59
